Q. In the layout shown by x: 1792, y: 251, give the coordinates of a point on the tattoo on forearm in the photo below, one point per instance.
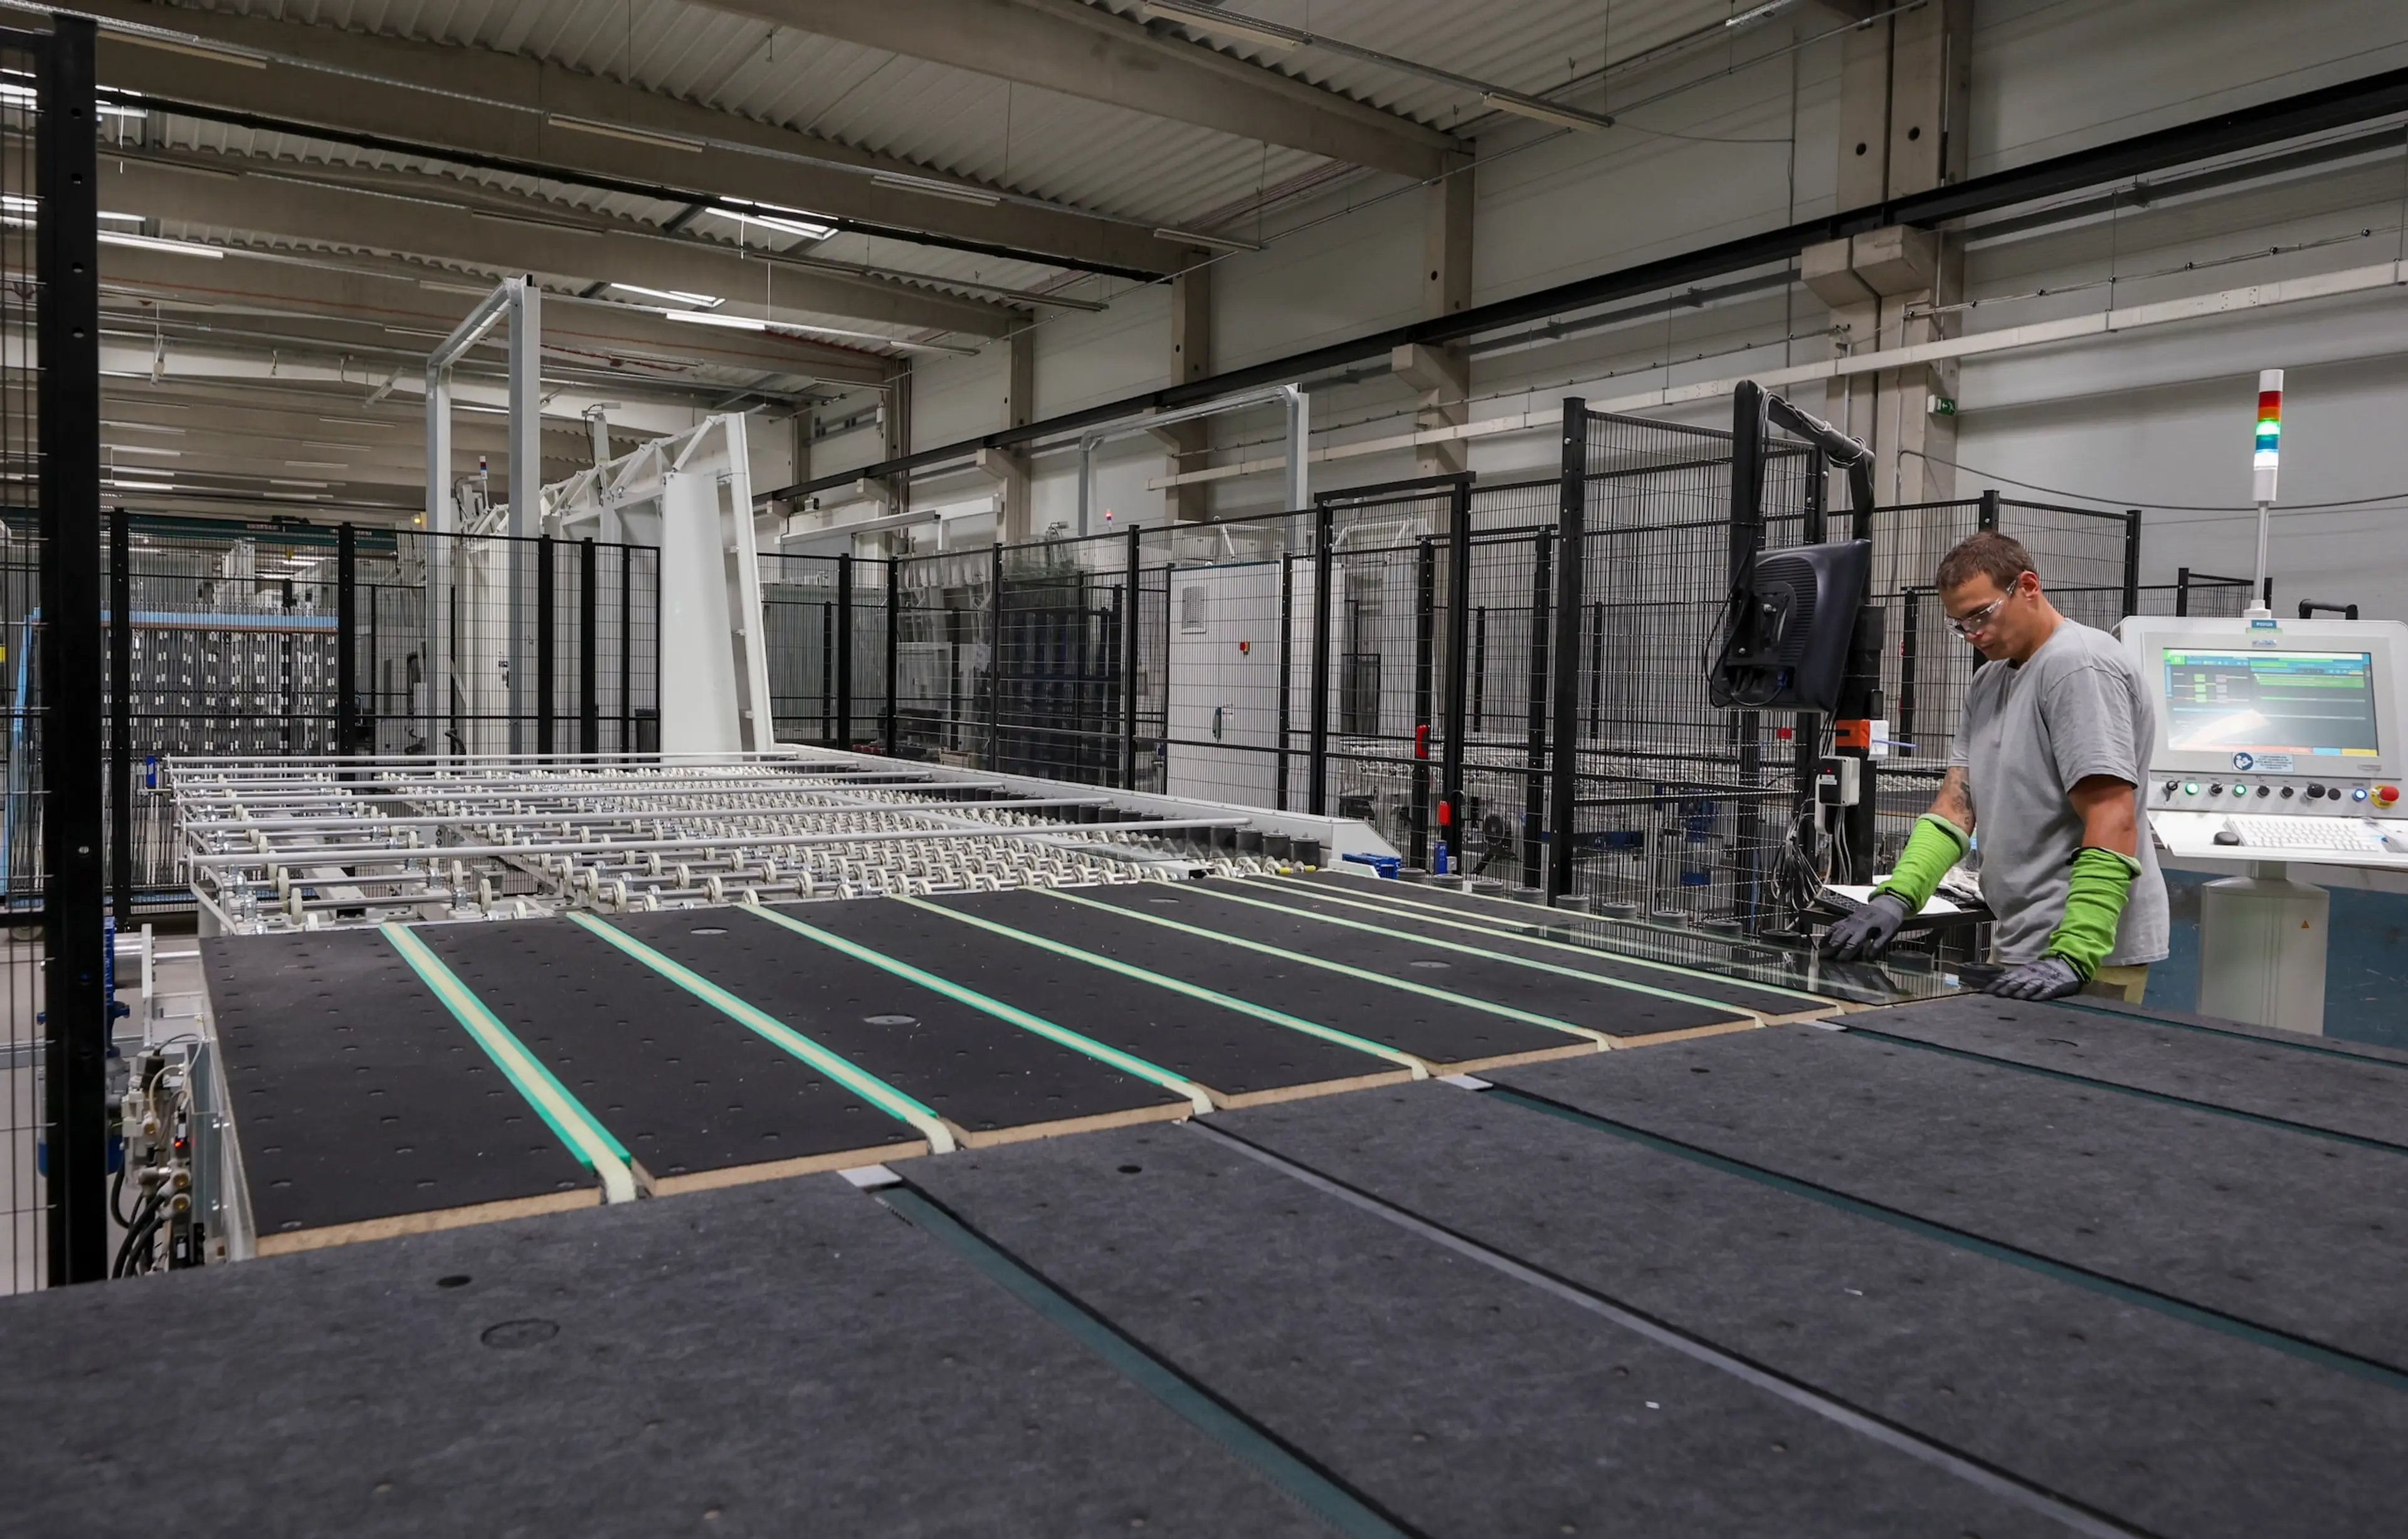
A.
x: 1952, y: 804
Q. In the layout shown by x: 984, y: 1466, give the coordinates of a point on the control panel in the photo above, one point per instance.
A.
x: 2293, y: 795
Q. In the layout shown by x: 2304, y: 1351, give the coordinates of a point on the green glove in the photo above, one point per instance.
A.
x: 1935, y: 845
x: 2094, y: 903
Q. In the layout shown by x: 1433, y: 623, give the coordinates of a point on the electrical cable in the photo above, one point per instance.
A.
x: 146, y: 1222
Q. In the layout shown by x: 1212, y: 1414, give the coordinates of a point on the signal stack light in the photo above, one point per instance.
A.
x: 2267, y: 464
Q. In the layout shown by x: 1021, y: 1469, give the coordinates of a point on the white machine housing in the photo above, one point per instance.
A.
x: 2196, y: 792
x: 690, y: 495
x: 2255, y: 799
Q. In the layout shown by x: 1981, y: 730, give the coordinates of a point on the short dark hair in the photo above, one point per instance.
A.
x: 2002, y: 559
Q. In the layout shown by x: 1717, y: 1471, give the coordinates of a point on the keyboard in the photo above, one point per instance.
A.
x: 2308, y: 833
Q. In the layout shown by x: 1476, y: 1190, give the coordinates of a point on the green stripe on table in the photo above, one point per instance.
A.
x: 562, y: 1112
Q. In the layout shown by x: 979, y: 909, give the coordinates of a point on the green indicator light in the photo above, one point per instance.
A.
x: 2190, y: 788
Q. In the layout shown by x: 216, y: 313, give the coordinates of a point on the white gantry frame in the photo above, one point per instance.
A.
x: 690, y: 495
x: 455, y: 692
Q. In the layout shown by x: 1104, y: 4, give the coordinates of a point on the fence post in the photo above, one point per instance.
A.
x: 994, y: 658
x: 1130, y: 629
x: 545, y: 600
x: 121, y: 718
x: 627, y: 648
x: 1286, y: 675
x: 2132, y: 561
x: 894, y: 636
x: 1458, y: 666
x: 1987, y: 518
x: 1424, y: 618
x: 2182, y: 593
x: 67, y: 322
x: 1317, y: 766
x: 1534, y: 787
x: 346, y: 637
x: 844, y: 650
x: 589, y: 699
x: 1563, y: 757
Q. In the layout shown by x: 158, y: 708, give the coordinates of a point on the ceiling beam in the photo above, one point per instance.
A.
x: 1082, y: 51
x: 499, y: 111
x: 218, y: 191
x: 238, y: 285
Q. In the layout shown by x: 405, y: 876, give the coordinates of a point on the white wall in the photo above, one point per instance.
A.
x: 2159, y: 419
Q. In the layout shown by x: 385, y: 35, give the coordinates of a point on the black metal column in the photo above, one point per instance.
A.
x: 995, y: 659
x: 1286, y: 675
x: 74, y: 930
x: 844, y: 650
x: 1425, y: 619
x: 1131, y: 609
x: 347, y: 639
x: 627, y: 650
x: 546, y: 600
x: 2182, y: 593
x: 1458, y: 662
x: 2132, y: 561
x: 1534, y: 786
x: 589, y: 698
x: 1988, y: 517
x: 1325, y: 570
x: 893, y: 637
x: 1563, y: 757
x: 121, y: 717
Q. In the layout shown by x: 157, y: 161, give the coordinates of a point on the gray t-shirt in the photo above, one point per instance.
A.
x: 2076, y: 708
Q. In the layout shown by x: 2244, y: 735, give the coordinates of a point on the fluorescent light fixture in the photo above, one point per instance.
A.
x: 279, y: 480
x: 197, y: 48
x: 314, y: 465
x: 300, y: 496
x: 11, y: 92
x: 141, y: 485
x: 142, y: 448
x: 1208, y: 19
x: 1215, y: 242
x: 798, y: 224
x: 110, y: 109
x: 437, y: 286
x: 1542, y: 110
x: 129, y: 218
x: 1758, y: 14
x: 706, y: 301
x: 156, y: 243
x: 655, y: 137
x: 930, y: 187
x: 704, y: 318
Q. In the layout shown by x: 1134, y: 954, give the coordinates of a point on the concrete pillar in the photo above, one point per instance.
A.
x: 1440, y: 377
x: 1904, y: 93
x: 1190, y: 444
x: 1016, y: 513
x: 895, y: 430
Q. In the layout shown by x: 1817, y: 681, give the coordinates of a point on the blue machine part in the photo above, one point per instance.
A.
x: 1387, y: 865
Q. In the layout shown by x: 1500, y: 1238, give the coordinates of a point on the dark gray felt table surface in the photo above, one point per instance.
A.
x: 2164, y: 1425
x: 1578, y: 1000
x: 781, y: 1358
x: 983, y: 1074
x: 356, y: 1095
x: 687, y: 1089
x: 1223, y: 1049
x: 2292, y: 1232
x: 2267, y: 1077
x: 1463, y: 1400
x: 1409, y: 905
x: 1438, y: 1031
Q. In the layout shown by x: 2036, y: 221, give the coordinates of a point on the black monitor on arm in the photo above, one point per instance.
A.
x: 1798, y: 633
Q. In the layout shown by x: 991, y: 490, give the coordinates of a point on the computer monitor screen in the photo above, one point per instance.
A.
x: 2272, y: 703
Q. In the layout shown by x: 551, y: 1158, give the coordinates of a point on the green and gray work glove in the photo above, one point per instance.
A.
x: 1935, y: 845
x: 2094, y: 906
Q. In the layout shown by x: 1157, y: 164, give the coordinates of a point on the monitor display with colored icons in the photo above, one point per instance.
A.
x: 2272, y: 703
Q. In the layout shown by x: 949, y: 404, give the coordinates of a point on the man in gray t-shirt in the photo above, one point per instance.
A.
x: 2049, y: 756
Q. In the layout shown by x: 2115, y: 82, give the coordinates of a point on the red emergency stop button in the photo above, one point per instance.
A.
x: 2385, y: 795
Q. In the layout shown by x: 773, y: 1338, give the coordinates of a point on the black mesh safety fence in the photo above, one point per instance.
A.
x: 241, y: 641
x: 1679, y: 807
